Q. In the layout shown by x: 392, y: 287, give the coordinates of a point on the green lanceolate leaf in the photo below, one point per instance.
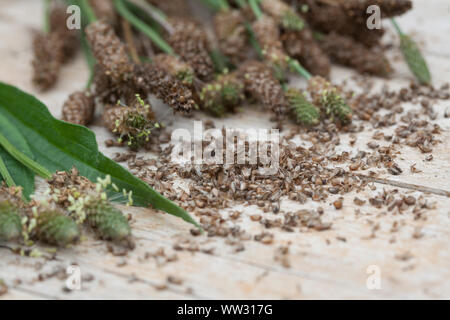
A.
x: 18, y: 173
x: 414, y: 59
x: 57, y: 145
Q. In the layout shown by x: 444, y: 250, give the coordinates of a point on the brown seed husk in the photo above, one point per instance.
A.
x: 260, y: 82
x: 79, y: 108
x: 348, y: 52
x: 231, y: 34
x: 109, y: 51
x: 154, y: 79
x: 47, y: 60
x: 190, y: 42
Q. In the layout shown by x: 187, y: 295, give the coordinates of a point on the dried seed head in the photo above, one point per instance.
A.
x: 260, y: 82
x: 226, y: 92
x: 302, y: 46
x: 109, y: 51
x: 10, y: 221
x: 346, y: 51
x: 109, y: 91
x: 267, y: 34
x: 388, y: 8
x: 47, y: 60
x: 229, y: 27
x: 318, y: 17
x: 133, y: 123
x: 304, y: 111
x: 190, y: 42
x: 79, y: 108
x: 55, y: 228
x: 152, y: 78
x: 175, y: 67
x: 105, y: 10
x: 283, y: 14
x: 58, y: 25
x: 330, y: 99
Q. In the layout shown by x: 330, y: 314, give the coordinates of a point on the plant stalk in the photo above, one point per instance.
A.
x: 5, y: 174
x: 88, y: 11
x: 24, y: 159
x: 143, y: 27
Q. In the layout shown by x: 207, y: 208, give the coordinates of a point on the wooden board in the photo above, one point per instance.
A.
x: 327, y: 264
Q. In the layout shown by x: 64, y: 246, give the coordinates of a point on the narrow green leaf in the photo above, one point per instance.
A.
x: 9, y: 135
x: 413, y: 56
x: 20, y: 174
x: 5, y: 173
x: 58, y: 145
x: 415, y: 59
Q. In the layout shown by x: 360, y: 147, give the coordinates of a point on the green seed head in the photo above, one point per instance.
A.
x: 414, y: 59
x: 336, y: 107
x: 108, y: 221
x: 10, y: 222
x: 186, y: 76
x: 292, y: 21
x: 57, y: 229
x: 305, y: 112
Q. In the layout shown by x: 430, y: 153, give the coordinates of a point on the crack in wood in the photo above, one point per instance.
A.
x: 439, y: 192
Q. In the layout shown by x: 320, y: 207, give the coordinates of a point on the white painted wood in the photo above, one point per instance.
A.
x: 322, y: 264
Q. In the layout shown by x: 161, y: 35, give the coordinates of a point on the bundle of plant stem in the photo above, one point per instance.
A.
x: 136, y: 48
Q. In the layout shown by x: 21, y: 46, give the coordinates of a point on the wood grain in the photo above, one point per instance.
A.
x: 328, y: 264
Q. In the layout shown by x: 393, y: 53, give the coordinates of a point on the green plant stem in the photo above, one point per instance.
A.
x: 255, y: 8
x: 293, y: 63
x: 296, y: 66
x: 253, y: 41
x: 143, y: 27
x: 88, y: 11
x: 24, y: 159
x: 219, y: 60
x: 5, y: 174
x: 241, y: 3
x: 397, y: 27
x: 224, y: 5
x: 46, y: 16
x: 90, y: 59
x: 217, y: 5
x: 154, y: 13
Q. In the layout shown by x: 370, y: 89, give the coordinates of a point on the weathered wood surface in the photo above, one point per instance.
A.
x: 328, y: 264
